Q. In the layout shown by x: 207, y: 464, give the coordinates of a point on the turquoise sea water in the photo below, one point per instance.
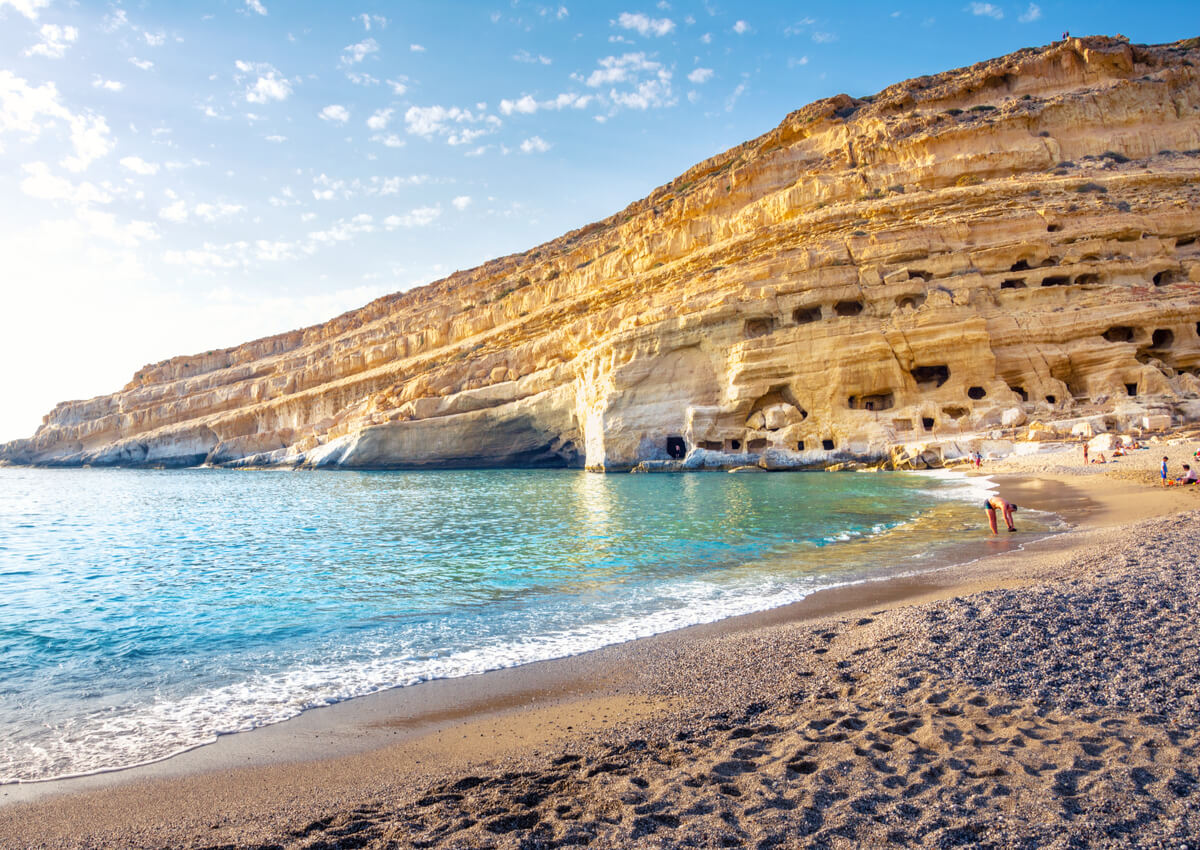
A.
x: 145, y: 612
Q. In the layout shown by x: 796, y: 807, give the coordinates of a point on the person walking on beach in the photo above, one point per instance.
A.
x: 994, y: 503
x: 1163, y: 473
x: 1085, y: 453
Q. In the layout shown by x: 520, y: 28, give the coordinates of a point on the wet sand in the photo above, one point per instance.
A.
x: 1034, y: 697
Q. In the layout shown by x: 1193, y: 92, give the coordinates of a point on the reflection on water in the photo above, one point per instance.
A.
x: 148, y: 611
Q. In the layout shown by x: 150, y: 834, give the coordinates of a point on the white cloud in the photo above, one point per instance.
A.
x: 361, y: 79
x: 343, y: 231
x: 335, y: 112
x: 399, y: 86
x: 354, y: 53
x: 1033, y: 13
x: 207, y: 258
x: 985, y: 10
x: 28, y: 8
x: 420, y: 217
x: 269, y: 84
x: 700, y: 75
x: 369, y: 20
x: 741, y: 27
x: 212, y: 212
x: 139, y: 166
x: 107, y: 85
x: 417, y: 48
x: 733, y: 96
x: 824, y: 37
x: 277, y: 139
x: 535, y: 144
x: 793, y: 62
x: 256, y: 6
x: 380, y: 119
x: 154, y: 39
x: 141, y: 64
x: 649, y: 81
x: 55, y: 40
x: 429, y: 121
x: 461, y: 202
x: 40, y: 183
x: 530, y: 59
x: 644, y: 24
x: 527, y: 104
x: 176, y: 212
x: 389, y: 140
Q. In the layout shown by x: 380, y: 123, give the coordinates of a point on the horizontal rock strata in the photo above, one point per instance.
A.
x: 960, y: 254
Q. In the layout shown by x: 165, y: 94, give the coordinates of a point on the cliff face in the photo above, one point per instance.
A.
x: 959, y: 253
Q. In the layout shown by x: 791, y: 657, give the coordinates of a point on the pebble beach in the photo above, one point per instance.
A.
x: 1045, y: 695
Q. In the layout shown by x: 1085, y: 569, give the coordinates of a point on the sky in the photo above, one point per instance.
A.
x: 182, y: 176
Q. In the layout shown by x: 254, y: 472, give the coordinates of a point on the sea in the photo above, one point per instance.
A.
x: 146, y: 612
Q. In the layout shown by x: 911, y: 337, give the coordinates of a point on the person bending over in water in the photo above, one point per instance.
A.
x: 995, y: 503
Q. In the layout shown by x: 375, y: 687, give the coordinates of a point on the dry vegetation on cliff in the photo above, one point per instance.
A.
x: 955, y: 255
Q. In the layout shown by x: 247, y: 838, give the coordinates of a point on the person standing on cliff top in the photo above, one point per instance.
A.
x: 994, y: 503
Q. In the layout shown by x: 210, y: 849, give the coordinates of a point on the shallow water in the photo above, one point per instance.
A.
x: 145, y: 612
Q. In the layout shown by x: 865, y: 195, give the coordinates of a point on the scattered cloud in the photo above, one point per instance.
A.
x: 732, y: 100
x: 530, y: 59
x: 389, y: 140
x: 461, y: 202
x: 741, y: 28
x: 535, y: 144
x: 268, y: 85
x: 352, y: 54
x: 429, y: 121
x: 824, y: 37
x: 139, y: 166
x: 420, y: 217
x: 155, y: 39
x: 335, y: 112
x: 276, y: 138
x: 644, y: 24
x: 986, y: 10
x: 527, y: 104
x: 256, y: 6
x: 28, y: 8
x: 40, y: 183
x: 417, y: 48
x: 1033, y: 13
x: 55, y: 40
x: 108, y: 85
x: 399, y: 86
x: 379, y: 120
x: 700, y: 75
x: 649, y: 83
x: 372, y: 20
x: 795, y: 62
x: 141, y: 64
x: 29, y: 110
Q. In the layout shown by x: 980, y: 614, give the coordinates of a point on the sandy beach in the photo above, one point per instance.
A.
x: 1044, y: 695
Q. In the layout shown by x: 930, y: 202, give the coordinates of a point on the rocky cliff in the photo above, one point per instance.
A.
x: 957, y: 255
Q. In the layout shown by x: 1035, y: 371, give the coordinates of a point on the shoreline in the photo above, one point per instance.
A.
x: 382, y: 744
x: 289, y: 740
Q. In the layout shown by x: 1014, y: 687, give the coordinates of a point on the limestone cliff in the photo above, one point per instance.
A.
x: 956, y: 255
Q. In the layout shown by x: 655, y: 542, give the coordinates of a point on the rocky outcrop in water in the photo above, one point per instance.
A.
x: 954, y: 257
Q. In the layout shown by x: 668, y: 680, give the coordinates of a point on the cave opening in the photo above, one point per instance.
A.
x: 848, y: 308
x: 806, y: 315
x: 1051, y: 399
x: 759, y: 445
x: 875, y: 401
x: 1021, y: 265
x: 927, y: 423
x: 1056, y: 280
x: 1013, y: 283
x: 676, y: 447
x: 1021, y: 392
x: 954, y: 412
x: 1162, y: 338
x: 910, y: 302
x: 711, y: 445
x: 759, y: 327
x: 1131, y: 390
x: 1053, y: 228
x: 976, y: 393
x: 1167, y: 276
x: 1087, y: 279
x: 925, y: 375
x: 799, y: 445
x: 734, y: 445
x: 827, y: 445
x: 1119, y: 333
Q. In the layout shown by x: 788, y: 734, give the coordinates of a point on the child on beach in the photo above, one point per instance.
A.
x: 1163, y: 473
x: 1189, y: 476
x: 995, y: 503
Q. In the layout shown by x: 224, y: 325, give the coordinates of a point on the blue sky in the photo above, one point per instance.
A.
x: 180, y: 176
